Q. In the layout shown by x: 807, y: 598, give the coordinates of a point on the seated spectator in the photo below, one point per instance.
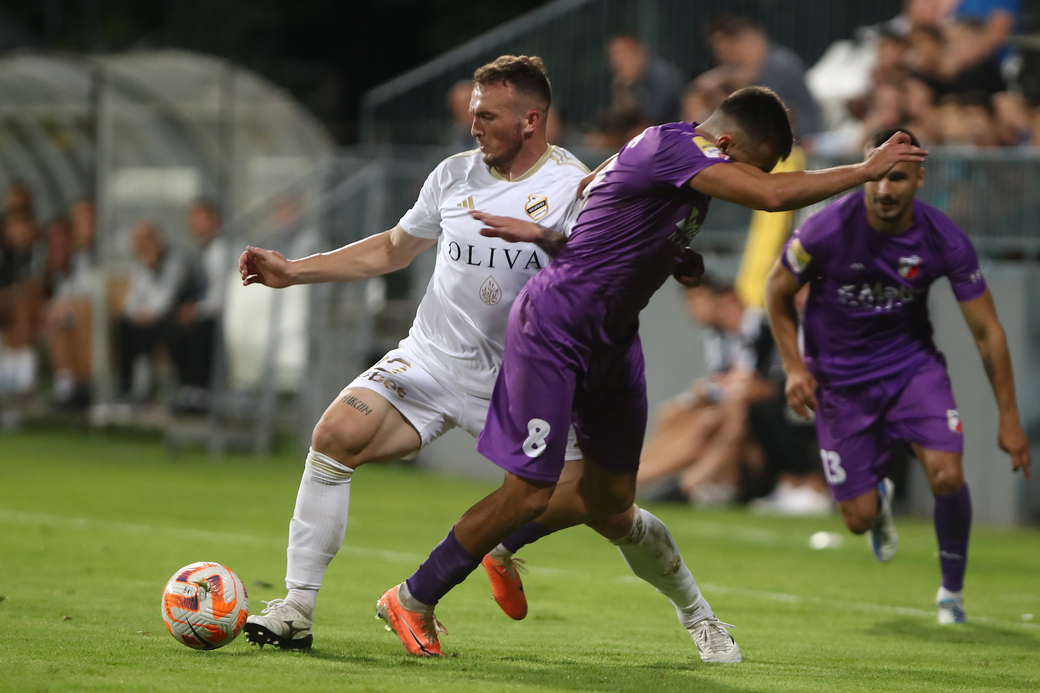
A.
x: 643, y: 80
x: 68, y: 314
x: 193, y: 331
x: 982, y: 74
x: 156, y: 281
x: 991, y: 22
x: 617, y: 127
x: 718, y: 435
x: 645, y: 91
x: 747, y: 57
x: 922, y: 116
x: 23, y: 260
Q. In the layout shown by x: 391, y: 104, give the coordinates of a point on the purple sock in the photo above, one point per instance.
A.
x: 528, y: 534
x: 448, y: 565
x: 952, y: 527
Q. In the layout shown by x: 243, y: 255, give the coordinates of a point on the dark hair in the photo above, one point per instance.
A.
x: 762, y: 116
x: 879, y: 138
x: 731, y: 25
x: 526, y: 74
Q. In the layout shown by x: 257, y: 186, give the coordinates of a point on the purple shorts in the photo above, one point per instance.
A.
x: 549, y: 382
x: 858, y: 426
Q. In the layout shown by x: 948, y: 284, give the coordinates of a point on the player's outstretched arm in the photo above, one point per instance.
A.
x: 781, y: 287
x: 981, y: 316
x: 519, y: 231
x: 379, y: 254
x: 749, y: 186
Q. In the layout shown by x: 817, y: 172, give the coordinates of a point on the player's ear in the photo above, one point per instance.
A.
x: 920, y: 177
x: 533, y: 120
x: 724, y: 142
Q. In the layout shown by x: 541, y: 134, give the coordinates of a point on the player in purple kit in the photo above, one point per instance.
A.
x: 872, y: 372
x: 572, y: 350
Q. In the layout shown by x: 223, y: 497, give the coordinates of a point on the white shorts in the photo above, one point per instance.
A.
x: 430, y: 405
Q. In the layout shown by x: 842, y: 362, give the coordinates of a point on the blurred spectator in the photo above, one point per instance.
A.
x: 980, y: 75
x: 645, y: 91
x: 717, y: 435
x: 193, y: 331
x: 746, y: 56
x: 67, y: 319
x: 922, y: 116
x: 459, y: 137
x: 991, y: 22
x: 23, y: 259
x: 642, y: 80
x: 156, y: 281
x: 891, y: 64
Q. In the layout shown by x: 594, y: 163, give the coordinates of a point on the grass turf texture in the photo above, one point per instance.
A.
x: 92, y: 527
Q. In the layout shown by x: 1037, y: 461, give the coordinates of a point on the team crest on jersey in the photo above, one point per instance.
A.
x: 537, y: 206
x: 910, y: 267
x: 490, y: 292
x: 709, y: 149
x: 797, y: 256
x: 953, y: 420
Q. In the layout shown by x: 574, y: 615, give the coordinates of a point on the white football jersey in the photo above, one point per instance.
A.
x: 460, y: 326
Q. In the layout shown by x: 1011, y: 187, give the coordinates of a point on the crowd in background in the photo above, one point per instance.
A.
x: 944, y: 68
x: 164, y: 312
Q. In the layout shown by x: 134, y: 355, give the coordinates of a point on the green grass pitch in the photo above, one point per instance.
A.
x: 92, y: 527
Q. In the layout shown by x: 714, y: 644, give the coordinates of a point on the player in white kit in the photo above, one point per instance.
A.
x: 442, y: 374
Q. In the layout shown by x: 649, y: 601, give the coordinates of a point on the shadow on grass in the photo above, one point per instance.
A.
x: 964, y: 634
x: 545, y: 671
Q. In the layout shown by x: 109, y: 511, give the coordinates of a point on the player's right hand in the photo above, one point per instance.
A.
x: 801, y: 391
x: 267, y: 267
x: 895, y: 151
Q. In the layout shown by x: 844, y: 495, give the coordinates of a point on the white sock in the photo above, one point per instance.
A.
x: 500, y: 553
x: 318, y: 526
x: 651, y: 553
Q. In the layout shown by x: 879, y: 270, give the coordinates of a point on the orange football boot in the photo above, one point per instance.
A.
x: 417, y: 630
x: 506, y: 587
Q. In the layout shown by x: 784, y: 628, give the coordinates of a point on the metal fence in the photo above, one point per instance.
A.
x: 570, y: 36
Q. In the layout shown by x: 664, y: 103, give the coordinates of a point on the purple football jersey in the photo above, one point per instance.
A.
x: 867, y: 313
x: 638, y: 215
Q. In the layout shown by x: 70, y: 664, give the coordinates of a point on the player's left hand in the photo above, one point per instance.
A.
x: 689, y: 268
x: 1012, y: 440
x: 507, y: 228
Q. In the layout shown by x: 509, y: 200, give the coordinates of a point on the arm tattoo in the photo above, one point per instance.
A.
x: 551, y: 242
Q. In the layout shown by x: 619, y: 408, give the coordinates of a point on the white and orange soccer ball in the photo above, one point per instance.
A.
x: 205, y: 605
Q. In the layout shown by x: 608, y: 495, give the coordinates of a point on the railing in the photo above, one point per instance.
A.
x: 570, y: 36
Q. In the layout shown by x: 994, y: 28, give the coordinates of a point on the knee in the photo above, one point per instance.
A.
x: 858, y: 519
x: 330, y: 439
x: 612, y: 503
x: 947, y: 480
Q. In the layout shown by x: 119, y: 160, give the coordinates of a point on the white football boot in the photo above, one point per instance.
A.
x: 884, y: 540
x: 713, y: 641
x: 951, y: 606
x: 280, y: 624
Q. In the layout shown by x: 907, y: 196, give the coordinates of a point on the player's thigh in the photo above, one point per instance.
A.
x: 943, y: 467
x: 925, y: 415
x: 362, y: 426
x: 606, y: 492
x: 854, y: 451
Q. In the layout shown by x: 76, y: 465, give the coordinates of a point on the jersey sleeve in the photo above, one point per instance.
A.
x: 962, y: 265
x: 423, y: 220
x: 680, y: 157
x: 803, y: 253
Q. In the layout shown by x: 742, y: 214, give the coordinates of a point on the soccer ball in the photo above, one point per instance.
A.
x: 205, y: 605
